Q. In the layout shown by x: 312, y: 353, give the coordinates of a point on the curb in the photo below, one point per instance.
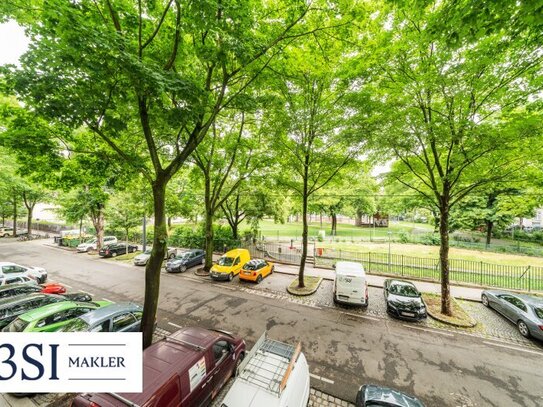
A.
x: 308, y: 293
x: 457, y: 325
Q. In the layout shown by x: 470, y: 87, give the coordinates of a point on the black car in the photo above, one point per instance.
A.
x: 185, y: 260
x: 371, y: 395
x: 115, y: 249
x: 12, y: 307
x: 13, y: 290
x: 404, y: 300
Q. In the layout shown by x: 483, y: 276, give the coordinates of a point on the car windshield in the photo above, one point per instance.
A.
x: 404, y: 290
x: 182, y: 256
x: 225, y: 261
x: 539, y: 312
x: 17, y: 326
x: 76, y: 325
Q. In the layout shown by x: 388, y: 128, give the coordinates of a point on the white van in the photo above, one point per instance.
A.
x: 350, y: 284
x: 273, y: 374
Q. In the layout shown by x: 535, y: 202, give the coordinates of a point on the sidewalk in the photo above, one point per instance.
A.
x: 460, y: 292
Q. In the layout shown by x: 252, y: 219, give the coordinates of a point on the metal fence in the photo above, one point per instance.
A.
x: 525, y: 278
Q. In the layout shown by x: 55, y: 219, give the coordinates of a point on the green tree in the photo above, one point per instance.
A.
x: 125, y: 212
x: 451, y: 116
x: 148, y: 79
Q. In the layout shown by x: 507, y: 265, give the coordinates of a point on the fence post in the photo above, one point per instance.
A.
x: 369, y: 262
x: 529, y: 278
x: 481, y: 274
x: 402, y: 265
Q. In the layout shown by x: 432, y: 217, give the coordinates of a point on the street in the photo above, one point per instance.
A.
x: 344, y: 349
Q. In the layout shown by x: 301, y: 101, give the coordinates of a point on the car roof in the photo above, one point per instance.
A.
x: 14, y: 286
x: 529, y: 299
x: 7, y: 263
x: 7, y: 302
x: 350, y: 268
x: 401, y: 282
x: 50, y: 309
x: 169, y: 356
x: 379, y: 393
x: 102, y: 313
x: 235, y: 252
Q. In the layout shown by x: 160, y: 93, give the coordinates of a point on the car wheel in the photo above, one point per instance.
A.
x: 272, y: 270
x: 114, y: 254
x: 183, y: 269
x: 230, y: 276
x: 238, y: 363
x: 259, y: 279
x: 523, y: 329
x: 88, y: 249
x: 171, y: 256
x: 484, y: 300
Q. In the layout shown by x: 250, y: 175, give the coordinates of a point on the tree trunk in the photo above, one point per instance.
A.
x: 14, y: 216
x: 80, y: 229
x: 489, y: 227
x: 208, y: 225
x: 321, y: 219
x: 334, y: 224
x: 235, y: 227
x: 444, y: 260
x: 30, y: 211
x: 301, y: 282
x: 152, y: 269
x: 169, y: 222
x: 358, y: 219
x: 98, y: 223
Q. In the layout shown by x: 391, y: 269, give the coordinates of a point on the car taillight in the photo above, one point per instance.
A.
x: 254, y: 273
x: 107, y: 251
x: 541, y: 327
x: 93, y: 404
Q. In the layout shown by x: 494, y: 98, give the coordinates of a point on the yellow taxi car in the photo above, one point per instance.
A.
x: 255, y: 270
x: 230, y: 264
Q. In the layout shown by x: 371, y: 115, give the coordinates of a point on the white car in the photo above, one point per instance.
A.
x: 88, y: 246
x: 273, y: 374
x: 8, y: 269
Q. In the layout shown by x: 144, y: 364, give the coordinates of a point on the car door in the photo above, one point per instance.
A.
x: 236, y: 265
x: 508, y: 308
x: 224, y: 364
x: 518, y: 309
x: 52, y: 322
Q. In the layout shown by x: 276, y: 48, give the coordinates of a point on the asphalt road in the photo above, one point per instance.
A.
x: 344, y: 349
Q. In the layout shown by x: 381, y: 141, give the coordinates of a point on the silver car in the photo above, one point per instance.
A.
x: 525, y: 311
x: 142, y: 258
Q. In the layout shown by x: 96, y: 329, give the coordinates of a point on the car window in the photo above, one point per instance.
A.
x: 122, y: 321
x: 517, y: 302
x: 404, y: 290
x: 539, y: 312
x: 138, y: 315
x: 226, y: 261
x: 17, y: 326
x: 220, y: 350
x: 12, y: 269
x: 237, y: 261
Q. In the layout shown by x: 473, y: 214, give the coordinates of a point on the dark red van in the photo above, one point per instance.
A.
x: 185, y: 369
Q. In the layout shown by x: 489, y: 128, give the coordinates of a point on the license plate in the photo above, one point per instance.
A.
x: 408, y: 314
x: 247, y: 273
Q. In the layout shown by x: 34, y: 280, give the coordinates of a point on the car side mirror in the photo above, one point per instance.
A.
x: 334, y: 266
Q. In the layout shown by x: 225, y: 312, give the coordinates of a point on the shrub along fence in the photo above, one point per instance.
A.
x: 525, y: 278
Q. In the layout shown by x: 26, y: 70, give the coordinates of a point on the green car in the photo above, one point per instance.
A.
x: 52, y: 317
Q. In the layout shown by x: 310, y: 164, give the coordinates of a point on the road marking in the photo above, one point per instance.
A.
x: 225, y: 286
x: 360, y: 316
x: 86, y: 292
x: 428, y: 330
x: 105, y: 299
x: 175, y: 325
x: 322, y: 379
x: 305, y: 305
x: 513, y: 348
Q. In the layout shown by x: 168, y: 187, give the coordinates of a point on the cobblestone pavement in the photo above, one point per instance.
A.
x: 491, y: 324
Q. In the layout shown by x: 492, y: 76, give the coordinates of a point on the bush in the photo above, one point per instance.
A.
x: 403, y: 237
x: 195, y: 238
x: 431, y: 239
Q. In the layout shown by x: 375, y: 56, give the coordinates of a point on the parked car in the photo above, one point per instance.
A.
x: 13, y: 290
x: 52, y: 317
x: 525, y: 311
x: 255, y: 270
x: 403, y: 300
x: 5, y: 231
x: 115, y: 249
x: 11, y: 307
x: 371, y: 395
x: 273, y: 374
x: 230, y: 264
x: 91, y: 245
x: 350, y: 284
x: 185, y: 369
x: 142, y: 258
x: 113, y: 318
x: 37, y: 273
x: 185, y: 260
